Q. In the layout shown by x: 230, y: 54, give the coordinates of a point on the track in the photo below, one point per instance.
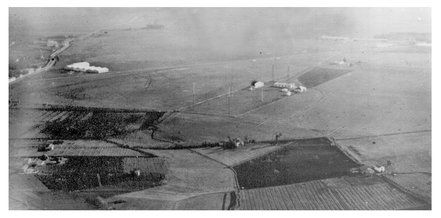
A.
x: 235, y: 203
x: 50, y: 63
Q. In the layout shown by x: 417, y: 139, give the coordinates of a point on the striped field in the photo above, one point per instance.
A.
x: 361, y: 193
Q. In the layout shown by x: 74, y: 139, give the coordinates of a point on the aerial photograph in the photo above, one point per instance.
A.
x: 207, y: 108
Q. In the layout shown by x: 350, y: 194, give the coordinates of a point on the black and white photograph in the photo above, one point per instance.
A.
x: 219, y: 108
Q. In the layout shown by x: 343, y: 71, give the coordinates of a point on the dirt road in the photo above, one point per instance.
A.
x: 50, y: 63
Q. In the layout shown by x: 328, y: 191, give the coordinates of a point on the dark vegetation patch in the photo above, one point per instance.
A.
x: 153, y: 27
x: 319, y: 75
x: 98, y: 125
x: 306, y: 160
x: 58, y: 38
x: 109, y: 173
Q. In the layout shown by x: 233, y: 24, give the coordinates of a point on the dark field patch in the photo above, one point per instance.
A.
x: 307, y: 160
x: 319, y: 75
x: 95, y: 125
x: 110, y: 173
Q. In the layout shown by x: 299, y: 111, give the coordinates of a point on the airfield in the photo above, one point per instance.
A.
x: 163, y: 107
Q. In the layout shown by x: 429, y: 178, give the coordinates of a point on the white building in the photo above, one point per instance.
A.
x: 285, y: 85
x: 300, y: 89
x: 288, y: 93
x: 85, y: 67
x: 256, y: 84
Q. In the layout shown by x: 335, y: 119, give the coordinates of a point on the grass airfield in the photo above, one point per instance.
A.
x: 378, y: 110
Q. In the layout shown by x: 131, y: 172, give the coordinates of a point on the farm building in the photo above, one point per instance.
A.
x: 256, y: 84
x: 285, y: 85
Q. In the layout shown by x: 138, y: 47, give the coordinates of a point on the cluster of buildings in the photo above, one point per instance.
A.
x: 86, y: 68
x: 284, y: 85
x: 287, y: 88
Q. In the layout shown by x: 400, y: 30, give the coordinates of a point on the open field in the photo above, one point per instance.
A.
x: 169, y: 100
x: 322, y: 195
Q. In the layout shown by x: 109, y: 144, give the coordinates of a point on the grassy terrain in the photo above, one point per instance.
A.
x: 387, y: 91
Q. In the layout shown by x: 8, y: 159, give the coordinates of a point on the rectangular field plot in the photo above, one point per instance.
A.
x: 318, y: 195
x: 304, y: 160
x: 319, y: 75
x: 238, y: 102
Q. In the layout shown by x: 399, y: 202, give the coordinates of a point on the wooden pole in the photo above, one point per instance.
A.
x: 229, y: 100
x: 229, y: 90
x: 194, y: 98
x: 261, y: 88
x: 272, y: 73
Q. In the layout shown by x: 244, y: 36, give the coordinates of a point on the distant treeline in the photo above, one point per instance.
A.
x: 147, y: 27
x: 419, y: 37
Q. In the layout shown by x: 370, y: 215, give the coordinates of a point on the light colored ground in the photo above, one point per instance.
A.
x: 26, y: 192
x: 409, y: 153
x: 190, y: 174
